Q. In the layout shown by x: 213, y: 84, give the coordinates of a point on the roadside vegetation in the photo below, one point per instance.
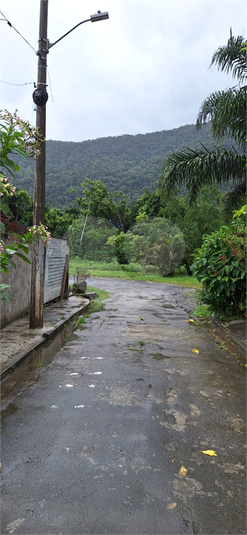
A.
x: 96, y: 304
x: 16, y: 137
x: 129, y: 272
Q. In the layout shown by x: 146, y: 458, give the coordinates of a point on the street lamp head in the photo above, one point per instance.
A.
x: 99, y: 16
x: 93, y: 18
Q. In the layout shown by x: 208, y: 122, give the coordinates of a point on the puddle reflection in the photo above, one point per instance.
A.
x: 29, y: 371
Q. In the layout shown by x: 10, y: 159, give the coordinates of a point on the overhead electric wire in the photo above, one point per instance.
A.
x: 26, y: 83
x: 50, y: 85
x: 10, y: 83
x: 11, y: 26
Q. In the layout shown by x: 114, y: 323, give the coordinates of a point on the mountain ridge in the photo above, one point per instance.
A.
x: 127, y: 163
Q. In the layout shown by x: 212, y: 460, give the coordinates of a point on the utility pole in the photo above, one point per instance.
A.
x: 40, y: 97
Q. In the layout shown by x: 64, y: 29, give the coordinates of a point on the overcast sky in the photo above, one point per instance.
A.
x: 145, y: 69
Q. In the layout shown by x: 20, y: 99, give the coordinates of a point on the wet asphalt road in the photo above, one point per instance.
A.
x: 96, y: 442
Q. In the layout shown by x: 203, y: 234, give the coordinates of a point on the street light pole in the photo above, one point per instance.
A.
x: 40, y: 98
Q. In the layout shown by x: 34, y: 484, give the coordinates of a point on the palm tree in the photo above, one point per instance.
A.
x: 227, y: 112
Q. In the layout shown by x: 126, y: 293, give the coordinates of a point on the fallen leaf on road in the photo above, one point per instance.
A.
x: 183, y: 472
x: 212, y: 453
x: 142, y: 319
x: 173, y: 460
x: 195, y: 350
x: 172, y: 505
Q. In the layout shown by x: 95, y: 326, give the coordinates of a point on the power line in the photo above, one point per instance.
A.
x: 9, y: 83
x: 11, y: 26
x: 50, y: 85
x: 26, y: 83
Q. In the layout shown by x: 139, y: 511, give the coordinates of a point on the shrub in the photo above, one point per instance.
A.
x: 220, y: 266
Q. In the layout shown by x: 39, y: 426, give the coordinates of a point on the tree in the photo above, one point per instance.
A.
x: 227, y: 112
x: 201, y: 217
x: 16, y: 137
x: 94, y: 245
x: 58, y: 221
x: 149, y: 203
x: 97, y: 201
x: 157, y: 242
x: 18, y: 207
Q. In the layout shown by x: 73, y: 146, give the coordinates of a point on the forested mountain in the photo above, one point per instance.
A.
x: 127, y: 163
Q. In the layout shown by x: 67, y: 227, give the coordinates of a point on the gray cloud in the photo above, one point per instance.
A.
x: 145, y: 69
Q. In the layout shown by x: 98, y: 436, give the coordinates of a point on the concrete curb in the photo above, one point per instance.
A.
x: 233, y: 344
x: 48, y: 335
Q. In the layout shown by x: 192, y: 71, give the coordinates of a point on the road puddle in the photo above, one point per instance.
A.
x: 29, y: 371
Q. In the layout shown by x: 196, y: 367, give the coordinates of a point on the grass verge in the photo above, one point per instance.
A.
x: 129, y: 272
x: 202, y: 312
x: 96, y: 305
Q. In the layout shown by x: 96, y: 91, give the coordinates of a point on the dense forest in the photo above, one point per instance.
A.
x: 127, y: 163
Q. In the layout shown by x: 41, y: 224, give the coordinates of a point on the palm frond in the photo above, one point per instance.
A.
x: 231, y: 58
x: 235, y: 198
x: 199, y: 167
x: 195, y: 168
x: 227, y: 111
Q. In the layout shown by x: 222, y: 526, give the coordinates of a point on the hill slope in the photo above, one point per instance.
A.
x: 127, y: 163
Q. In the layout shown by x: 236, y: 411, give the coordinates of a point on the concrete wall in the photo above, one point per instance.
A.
x: 19, y: 279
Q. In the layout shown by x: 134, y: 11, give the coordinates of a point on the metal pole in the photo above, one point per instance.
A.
x: 40, y: 97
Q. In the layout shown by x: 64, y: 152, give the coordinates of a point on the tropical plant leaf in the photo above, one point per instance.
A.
x: 231, y: 58
x: 23, y: 257
x: 201, y: 167
x: 227, y: 112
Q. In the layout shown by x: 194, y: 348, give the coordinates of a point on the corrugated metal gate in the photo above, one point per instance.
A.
x: 56, y: 267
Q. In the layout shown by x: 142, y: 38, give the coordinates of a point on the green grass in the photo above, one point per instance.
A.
x: 96, y: 305
x: 130, y: 272
x: 101, y: 294
x: 201, y: 311
x: 80, y: 321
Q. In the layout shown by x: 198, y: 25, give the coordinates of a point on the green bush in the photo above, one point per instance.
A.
x: 120, y: 253
x: 220, y: 266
